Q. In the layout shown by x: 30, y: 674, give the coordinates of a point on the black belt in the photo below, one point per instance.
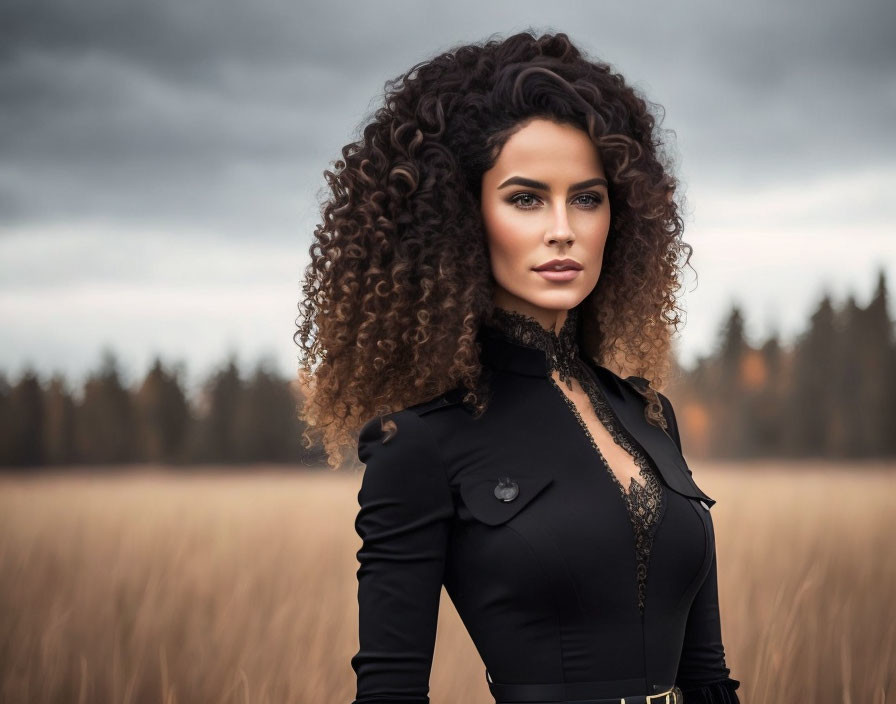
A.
x: 602, y: 692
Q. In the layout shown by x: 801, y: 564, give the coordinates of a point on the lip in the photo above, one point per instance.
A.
x: 565, y: 263
x: 562, y: 275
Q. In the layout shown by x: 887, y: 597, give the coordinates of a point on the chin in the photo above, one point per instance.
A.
x: 558, y: 300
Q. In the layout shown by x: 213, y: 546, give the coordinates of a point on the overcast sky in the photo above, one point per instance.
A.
x: 161, y: 162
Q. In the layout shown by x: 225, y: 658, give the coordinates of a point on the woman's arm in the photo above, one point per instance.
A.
x: 702, y: 674
x: 404, y: 521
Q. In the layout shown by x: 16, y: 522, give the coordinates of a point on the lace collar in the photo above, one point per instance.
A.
x: 558, y: 351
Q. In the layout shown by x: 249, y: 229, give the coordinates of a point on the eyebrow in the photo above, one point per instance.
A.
x: 530, y: 183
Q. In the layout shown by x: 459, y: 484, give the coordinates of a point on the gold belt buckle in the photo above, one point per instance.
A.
x: 668, y: 697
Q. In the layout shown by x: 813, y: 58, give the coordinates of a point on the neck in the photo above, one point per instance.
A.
x: 549, y: 319
x: 560, y: 348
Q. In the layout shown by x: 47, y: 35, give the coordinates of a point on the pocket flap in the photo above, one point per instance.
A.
x: 487, y: 507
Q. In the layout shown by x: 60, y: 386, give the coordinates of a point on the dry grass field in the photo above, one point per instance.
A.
x: 157, y: 587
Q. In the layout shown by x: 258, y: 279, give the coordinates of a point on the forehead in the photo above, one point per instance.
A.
x: 549, y: 151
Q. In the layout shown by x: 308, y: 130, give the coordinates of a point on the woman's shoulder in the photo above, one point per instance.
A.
x: 607, y: 375
x: 383, y: 428
x: 446, y: 399
x: 403, y: 468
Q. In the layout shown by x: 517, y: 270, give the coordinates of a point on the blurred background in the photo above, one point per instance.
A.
x: 164, y: 535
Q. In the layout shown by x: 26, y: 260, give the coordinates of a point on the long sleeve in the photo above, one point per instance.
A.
x: 702, y: 675
x: 404, y: 522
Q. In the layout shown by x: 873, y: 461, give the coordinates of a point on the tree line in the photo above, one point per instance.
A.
x: 235, y: 419
x: 830, y: 394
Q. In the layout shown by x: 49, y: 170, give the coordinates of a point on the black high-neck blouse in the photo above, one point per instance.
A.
x: 571, y: 588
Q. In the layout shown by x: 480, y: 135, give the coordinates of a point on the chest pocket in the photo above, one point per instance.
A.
x: 495, y: 500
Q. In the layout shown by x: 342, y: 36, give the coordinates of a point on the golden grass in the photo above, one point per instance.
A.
x: 158, y: 587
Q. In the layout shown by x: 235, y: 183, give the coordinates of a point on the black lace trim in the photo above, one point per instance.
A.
x: 561, y: 349
x: 643, y: 502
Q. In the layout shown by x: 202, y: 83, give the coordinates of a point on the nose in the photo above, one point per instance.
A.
x: 559, y: 229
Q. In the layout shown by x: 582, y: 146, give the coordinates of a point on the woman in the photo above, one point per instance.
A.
x: 505, y: 227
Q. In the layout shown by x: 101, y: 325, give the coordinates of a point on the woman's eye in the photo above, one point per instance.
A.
x: 521, y: 196
x: 527, y: 201
x: 595, y: 199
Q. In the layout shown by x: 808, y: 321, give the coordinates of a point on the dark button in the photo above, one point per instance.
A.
x: 507, y: 489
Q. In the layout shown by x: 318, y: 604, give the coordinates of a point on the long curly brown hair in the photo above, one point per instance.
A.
x: 399, y: 277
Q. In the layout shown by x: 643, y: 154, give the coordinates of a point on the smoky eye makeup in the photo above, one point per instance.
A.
x: 596, y: 199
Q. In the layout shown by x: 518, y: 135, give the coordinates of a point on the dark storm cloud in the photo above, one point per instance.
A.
x: 174, y: 112
x: 803, y: 87
x: 222, y: 115
x: 190, y: 37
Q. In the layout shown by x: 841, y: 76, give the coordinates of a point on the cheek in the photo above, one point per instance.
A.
x: 592, y: 225
x: 594, y: 235
x: 506, y: 240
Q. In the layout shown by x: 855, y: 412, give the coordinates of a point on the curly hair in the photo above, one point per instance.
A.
x: 399, y: 277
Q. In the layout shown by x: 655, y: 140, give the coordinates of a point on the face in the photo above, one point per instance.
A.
x: 545, y: 198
